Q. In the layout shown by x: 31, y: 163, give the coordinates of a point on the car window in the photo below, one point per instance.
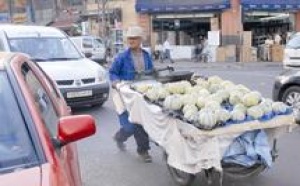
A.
x: 16, y: 147
x: 294, y: 43
x: 87, y: 43
x: 42, y: 100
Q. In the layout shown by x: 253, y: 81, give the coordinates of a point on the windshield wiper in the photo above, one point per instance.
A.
x: 54, y: 59
x: 62, y: 58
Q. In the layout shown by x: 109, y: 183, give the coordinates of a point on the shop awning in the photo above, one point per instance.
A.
x: 271, y: 5
x: 166, y: 6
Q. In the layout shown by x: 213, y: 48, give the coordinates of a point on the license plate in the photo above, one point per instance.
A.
x: 79, y: 94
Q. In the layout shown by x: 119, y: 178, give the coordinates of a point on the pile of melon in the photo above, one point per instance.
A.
x: 212, y: 102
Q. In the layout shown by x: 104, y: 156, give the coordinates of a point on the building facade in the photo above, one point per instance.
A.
x: 41, y: 12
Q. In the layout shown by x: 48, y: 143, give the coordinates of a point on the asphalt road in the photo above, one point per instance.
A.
x: 103, y: 165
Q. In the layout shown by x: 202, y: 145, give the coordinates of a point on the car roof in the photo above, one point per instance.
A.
x: 17, y: 31
x: 92, y: 37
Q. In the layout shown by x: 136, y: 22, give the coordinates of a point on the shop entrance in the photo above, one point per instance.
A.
x: 266, y: 25
x: 183, y: 31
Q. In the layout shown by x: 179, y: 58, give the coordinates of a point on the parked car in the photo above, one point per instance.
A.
x: 37, y: 130
x: 292, y: 52
x: 81, y: 81
x: 287, y: 87
x: 91, y: 45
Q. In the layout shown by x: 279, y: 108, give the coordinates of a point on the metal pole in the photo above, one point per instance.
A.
x: 10, y: 10
x: 103, y: 21
x: 98, y: 17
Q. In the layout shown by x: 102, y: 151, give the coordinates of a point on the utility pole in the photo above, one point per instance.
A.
x: 102, y: 17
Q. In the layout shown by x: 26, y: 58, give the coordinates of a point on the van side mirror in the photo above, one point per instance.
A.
x: 88, y: 55
x: 74, y: 128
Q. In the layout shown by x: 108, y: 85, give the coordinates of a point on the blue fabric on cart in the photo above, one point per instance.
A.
x: 248, y: 149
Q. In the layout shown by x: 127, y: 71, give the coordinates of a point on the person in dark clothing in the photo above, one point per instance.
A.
x: 124, y: 68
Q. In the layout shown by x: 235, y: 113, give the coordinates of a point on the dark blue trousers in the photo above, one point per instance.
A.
x: 128, y: 129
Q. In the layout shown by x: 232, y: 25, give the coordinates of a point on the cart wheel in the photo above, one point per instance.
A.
x: 235, y: 171
x: 181, y: 178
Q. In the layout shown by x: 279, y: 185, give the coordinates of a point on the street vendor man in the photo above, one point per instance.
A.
x: 124, y: 68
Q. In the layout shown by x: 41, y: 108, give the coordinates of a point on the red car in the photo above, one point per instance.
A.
x: 36, y: 129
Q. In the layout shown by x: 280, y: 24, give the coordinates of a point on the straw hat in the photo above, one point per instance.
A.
x: 134, y: 31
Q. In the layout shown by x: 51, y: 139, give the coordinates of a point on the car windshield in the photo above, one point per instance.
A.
x: 16, y: 148
x: 294, y: 43
x: 45, y: 49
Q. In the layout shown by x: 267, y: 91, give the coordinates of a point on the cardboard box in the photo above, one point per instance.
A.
x: 226, y: 53
x: 214, y: 24
x: 221, y: 54
x: 277, y: 53
x: 245, y: 54
x: 248, y: 54
x: 247, y: 38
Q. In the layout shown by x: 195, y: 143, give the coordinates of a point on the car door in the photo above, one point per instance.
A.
x: 51, y: 107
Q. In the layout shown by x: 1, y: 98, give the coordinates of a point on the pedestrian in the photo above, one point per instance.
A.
x: 132, y: 60
x: 167, y: 51
x: 159, y: 52
x: 277, y: 39
x: 267, y: 49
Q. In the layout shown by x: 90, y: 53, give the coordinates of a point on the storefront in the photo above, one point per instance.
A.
x: 270, y: 24
x: 183, y: 22
x: 266, y: 18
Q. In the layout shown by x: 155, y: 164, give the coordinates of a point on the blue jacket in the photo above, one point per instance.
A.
x: 123, y: 66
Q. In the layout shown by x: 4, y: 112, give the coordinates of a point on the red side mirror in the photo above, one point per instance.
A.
x: 74, y: 128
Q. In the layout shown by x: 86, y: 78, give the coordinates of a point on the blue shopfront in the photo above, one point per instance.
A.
x: 268, y: 17
x: 183, y: 22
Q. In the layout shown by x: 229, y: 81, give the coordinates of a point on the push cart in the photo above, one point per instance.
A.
x: 189, y: 150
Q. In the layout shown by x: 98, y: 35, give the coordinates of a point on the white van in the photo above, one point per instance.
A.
x: 92, y: 45
x: 81, y: 81
x: 292, y: 52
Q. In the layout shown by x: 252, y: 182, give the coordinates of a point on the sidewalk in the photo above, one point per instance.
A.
x: 190, y: 64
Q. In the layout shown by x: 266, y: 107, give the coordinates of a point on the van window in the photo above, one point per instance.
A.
x: 45, y: 48
x: 294, y: 43
x: 87, y: 43
x: 98, y: 43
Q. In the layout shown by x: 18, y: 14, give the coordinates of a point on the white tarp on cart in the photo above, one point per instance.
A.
x: 189, y: 149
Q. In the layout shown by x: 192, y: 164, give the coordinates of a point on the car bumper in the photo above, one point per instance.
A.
x: 276, y: 90
x: 100, y: 94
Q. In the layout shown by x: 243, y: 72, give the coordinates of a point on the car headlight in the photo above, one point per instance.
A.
x: 101, y: 76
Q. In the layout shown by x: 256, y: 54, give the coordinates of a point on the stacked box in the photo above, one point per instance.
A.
x: 248, y: 54
x: 214, y: 24
x: 226, y: 53
x: 221, y: 54
x: 247, y: 38
x: 277, y: 53
x: 230, y: 53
